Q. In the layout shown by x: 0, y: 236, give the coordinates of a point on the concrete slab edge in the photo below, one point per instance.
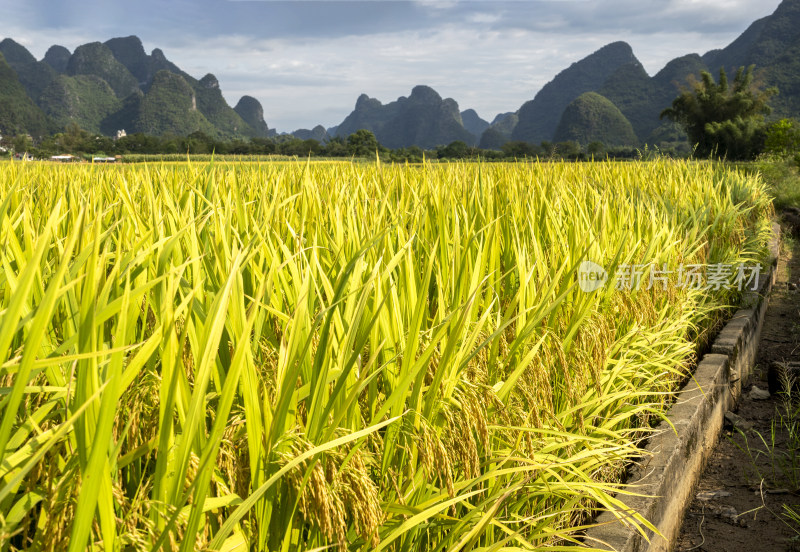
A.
x: 674, y: 459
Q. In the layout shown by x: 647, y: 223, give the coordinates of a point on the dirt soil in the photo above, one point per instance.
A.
x: 740, y: 499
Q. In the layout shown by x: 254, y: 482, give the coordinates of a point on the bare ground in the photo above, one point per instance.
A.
x: 739, y: 504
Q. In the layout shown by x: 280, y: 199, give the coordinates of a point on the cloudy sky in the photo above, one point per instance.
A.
x: 307, y: 61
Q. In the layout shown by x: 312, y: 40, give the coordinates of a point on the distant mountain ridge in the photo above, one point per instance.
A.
x: 539, y: 117
x: 612, y: 73
x: 18, y: 113
x: 104, y: 87
x: 624, y: 95
x: 317, y: 133
x: 116, y: 85
x: 772, y: 44
x: 423, y: 119
x: 251, y: 112
x: 473, y: 123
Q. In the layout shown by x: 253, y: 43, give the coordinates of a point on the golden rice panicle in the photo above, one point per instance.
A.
x: 295, y: 356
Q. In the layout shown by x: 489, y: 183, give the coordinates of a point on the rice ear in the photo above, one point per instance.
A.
x: 302, y: 356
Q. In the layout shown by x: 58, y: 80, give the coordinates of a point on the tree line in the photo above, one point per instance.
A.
x: 722, y: 119
x: 360, y: 144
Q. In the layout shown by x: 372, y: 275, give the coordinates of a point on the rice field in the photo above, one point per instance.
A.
x: 314, y: 356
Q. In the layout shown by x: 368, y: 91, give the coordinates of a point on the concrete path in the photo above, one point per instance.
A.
x: 740, y: 502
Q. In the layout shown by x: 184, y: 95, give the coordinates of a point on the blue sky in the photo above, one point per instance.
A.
x: 307, y: 62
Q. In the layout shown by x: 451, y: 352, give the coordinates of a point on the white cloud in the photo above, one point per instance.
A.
x: 300, y: 82
x: 308, y: 66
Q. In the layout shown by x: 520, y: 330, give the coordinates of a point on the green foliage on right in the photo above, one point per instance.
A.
x: 782, y: 176
x: 783, y: 138
x: 723, y: 119
x: 772, y: 44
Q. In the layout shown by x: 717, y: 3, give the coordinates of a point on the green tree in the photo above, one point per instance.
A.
x: 412, y: 154
x: 21, y: 143
x: 72, y: 140
x: 261, y: 145
x: 239, y: 147
x: 170, y: 144
x: 519, y: 150
x: 336, y: 147
x: 362, y: 143
x: 723, y: 119
x: 783, y: 137
x: 455, y: 150
x: 568, y: 149
x: 140, y: 143
x: 596, y: 148
x: 198, y: 142
x: 97, y: 144
x: 300, y: 148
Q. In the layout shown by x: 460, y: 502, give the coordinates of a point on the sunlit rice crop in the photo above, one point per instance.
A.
x: 374, y: 357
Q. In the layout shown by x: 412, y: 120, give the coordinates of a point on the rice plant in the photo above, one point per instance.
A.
x: 303, y: 356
